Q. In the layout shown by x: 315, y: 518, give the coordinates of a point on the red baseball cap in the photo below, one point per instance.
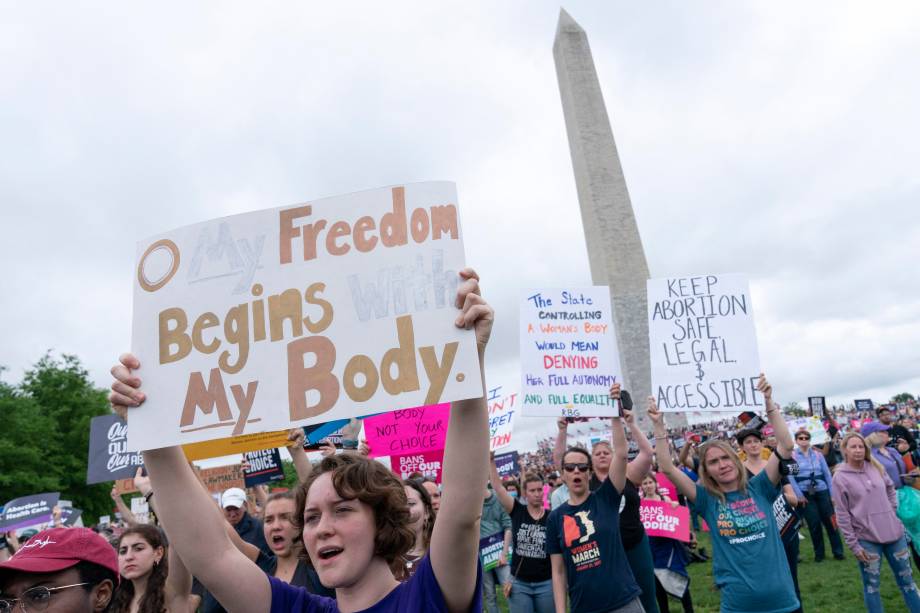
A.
x: 57, y: 549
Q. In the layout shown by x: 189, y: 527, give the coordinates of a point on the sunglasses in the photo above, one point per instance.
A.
x: 803, y: 438
x: 582, y: 467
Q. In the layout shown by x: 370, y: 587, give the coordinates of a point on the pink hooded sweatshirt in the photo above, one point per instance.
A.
x: 865, y: 502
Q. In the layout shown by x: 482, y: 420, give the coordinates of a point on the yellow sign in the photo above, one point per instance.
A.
x: 235, y: 445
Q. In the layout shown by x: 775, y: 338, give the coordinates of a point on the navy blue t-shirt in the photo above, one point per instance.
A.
x: 588, y: 538
x: 420, y: 594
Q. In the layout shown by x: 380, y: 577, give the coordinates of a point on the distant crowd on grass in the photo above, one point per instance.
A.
x: 565, y: 533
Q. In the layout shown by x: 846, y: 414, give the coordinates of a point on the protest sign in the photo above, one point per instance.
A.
x: 140, y: 509
x: 262, y: 466
x: 863, y: 404
x: 317, y: 432
x: 235, y: 445
x: 502, y: 408
x: 661, y: 519
x: 104, y: 520
x: 70, y: 515
x: 221, y: 307
x: 407, y: 431
x: 490, y: 548
x: 28, y: 511
x: 569, y: 356
x: 666, y: 486
x: 109, y: 458
x: 817, y: 405
x: 222, y: 478
x: 429, y: 463
x: 786, y: 518
x: 813, y: 425
x: 125, y: 486
x: 702, y: 344
x: 507, y: 464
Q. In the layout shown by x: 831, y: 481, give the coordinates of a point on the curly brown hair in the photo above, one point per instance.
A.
x: 355, y: 477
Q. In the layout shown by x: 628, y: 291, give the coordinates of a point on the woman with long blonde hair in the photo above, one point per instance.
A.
x: 745, y: 537
x: 866, y: 504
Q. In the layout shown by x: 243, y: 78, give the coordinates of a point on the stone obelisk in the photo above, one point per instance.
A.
x: 614, y: 246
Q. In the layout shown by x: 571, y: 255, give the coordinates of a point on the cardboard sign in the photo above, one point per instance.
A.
x: 109, y: 458
x: 863, y: 404
x: 502, y: 409
x: 507, y: 464
x: 350, y: 299
x: 125, y: 486
x: 660, y: 519
x: 817, y: 405
x: 429, y: 463
x: 569, y: 356
x: 28, y: 511
x: 490, y: 549
x: 702, y: 344
x: 263, y: 466
x: 407, y: 431
x: 222, y: 478
x: 813, y: 425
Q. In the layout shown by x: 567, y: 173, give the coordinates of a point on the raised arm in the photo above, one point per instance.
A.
x: 784, y: 444
x: 684, y: 484
x: 685, y: 459
x: 126, y: 513
x: 498, y: 487
x: 299, y: 457
x: 562, y: 437
x: 183, y: 506
x: 642, y: 463
x: 455, y: 540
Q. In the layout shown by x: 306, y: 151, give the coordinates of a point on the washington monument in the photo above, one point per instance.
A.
x: 614, y: 246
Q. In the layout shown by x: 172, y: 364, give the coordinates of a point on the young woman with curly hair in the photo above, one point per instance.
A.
x: 354, y: 515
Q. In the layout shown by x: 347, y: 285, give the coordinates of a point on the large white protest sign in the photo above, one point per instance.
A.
x: 702, y: 344
x: 569, y: 356
x: 299, y: 315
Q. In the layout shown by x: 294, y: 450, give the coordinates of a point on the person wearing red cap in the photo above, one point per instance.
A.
x: 61, y: 570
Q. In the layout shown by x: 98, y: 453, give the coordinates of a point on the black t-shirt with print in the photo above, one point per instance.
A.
x: 631, y: 528
x: 530, y: 562
x: 588, y: 538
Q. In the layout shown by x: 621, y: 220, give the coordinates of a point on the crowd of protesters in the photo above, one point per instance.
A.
x: 353, y: 536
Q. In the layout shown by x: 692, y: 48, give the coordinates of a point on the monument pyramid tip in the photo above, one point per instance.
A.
x: 566, y: 23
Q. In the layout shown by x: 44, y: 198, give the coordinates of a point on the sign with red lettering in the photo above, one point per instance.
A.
x: 502, y: 409
x: 661, y: 519
x: 299, y: 315
x: 702, y: 344
x: 429, y: 463
x: 569, y: 356
x: 407, y: 431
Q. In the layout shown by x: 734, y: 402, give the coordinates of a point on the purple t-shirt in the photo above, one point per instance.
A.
x: 421, y: 593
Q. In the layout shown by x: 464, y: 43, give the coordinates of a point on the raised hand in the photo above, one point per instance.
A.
x: 142, y: 482
x: 615, y: 391
x: 477, y: 315
x: 764, y: 387
x: 126, y: 392
x: 295, y: 438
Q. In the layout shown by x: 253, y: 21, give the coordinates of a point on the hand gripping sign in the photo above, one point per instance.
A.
x: 300, y: 315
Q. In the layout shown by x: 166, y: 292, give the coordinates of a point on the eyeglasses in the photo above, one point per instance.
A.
x: 803, y: 438
x: 35, y: 598
x: 570, y: 468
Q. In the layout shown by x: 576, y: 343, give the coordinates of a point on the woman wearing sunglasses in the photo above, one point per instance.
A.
x: 749, y: 564
x: 583, y: 535
x: 814, y: 479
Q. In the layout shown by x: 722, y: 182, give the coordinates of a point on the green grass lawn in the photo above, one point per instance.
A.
x: 827, y: 587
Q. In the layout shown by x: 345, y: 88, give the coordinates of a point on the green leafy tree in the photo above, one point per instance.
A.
x: 47, y: 446
x: 794, y: 408
x: 902, y: 398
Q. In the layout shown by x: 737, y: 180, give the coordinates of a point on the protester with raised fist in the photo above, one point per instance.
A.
x: 530, y: 588
x: 744, y: 533
x: 588, y: 561
x: 866, y: 504
x: 353, y: 512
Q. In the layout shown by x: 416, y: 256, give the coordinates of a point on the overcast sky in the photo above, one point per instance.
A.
x: 778, y: 139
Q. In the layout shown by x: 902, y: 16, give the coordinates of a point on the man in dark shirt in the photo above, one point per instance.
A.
x: 233, y: 502
x: 897, y: 431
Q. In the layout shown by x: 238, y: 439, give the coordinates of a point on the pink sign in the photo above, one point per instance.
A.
x: 665, y: 484
x: 661, y: 519
x: 429, y: 464
x: 407, y: 431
